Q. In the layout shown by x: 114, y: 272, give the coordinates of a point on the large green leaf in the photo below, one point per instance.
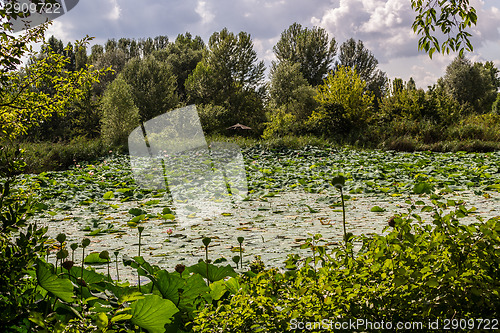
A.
x: 232, y: 285
x: 89, y: 276
x: 215, y: 273
x: 422, y: 187
x: 218, y: 289
x: 171, y: 286
x: 61, y: 288
x: 153, y: 313
x: 93, y: 258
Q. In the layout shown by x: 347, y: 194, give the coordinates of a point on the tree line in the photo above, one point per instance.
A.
x: 315, y: 86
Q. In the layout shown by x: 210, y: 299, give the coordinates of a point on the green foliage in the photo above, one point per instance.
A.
x: 410, y: 104
x: 281, y: 124
x: 354, y: 55
x: 183, y: 55
x: 292, y: 101
x: 310, y: 48
x: 212, y: 117
x: 472, y: 84
x: 453, y: 18
x: 345, y: 104
x: 495, y: 108
x: 47, y: 156
x: 120, y: 115
x: 24, y: 102
x: 153, y: 86
x: 20, y: 243
x: 415, y: 272
x: 230, y: 76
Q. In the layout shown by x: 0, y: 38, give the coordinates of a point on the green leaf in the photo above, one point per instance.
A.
x: 108, y: 195
x: 432, y: 282
x: 89, y: 276
x: 422, y: 187
x: 170, y: 285
x: 153, y: 313
x: 93, y: 258
x: 61, y: 288
x: 218, y: 289
x: 233, y: 285
x: 136, y: 211
x: 138, y: 218
x: 215, y: 273
x: 377, y: 209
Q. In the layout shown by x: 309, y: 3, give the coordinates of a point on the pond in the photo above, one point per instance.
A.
x: 290, y: 198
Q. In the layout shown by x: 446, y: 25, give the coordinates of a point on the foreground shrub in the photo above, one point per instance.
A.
x: 20, y: 245
x: 417, y: 272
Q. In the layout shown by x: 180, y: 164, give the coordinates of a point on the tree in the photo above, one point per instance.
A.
x: 452, y: 17
x: 81, y: 58
x: 183, y: 55
x: 115, y: 59
x: 472, y: 84
x: 153, y: 86
x: 355, y: 55
x: 290, y: 91
x: 120, y: 115
x: 404, y: 101
x: 345, y: 103
x: 231, y: 76
x: 22, y: 103
x: 291, y: 101
x: 160, y: 42
x: 310, y: 48
x: 96, y: 51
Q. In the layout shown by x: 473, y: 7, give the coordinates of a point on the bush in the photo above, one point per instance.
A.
x: 416, y: 272
x: 48, y: 156
x: 20, y: 245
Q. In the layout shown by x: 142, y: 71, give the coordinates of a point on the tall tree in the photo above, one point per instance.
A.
x: 153, y: 86
x: 120, y: 115
x: 355, y: 55
x: 291, y: 100
x: 230, y: 75
x: 124, y: 45
x: 96, y: 51
x: 310, y: 48
x: 81, y: 58
x: 471, y: 84
x: 115, y: 59
x: 147, y: 46
x: 160, y: 42
x: 110, y: 45
x: 183, y: 55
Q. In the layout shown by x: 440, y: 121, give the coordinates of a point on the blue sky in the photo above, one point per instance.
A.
x: 383, y: 26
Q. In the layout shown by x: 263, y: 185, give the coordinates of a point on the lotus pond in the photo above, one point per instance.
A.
x: 290, y: 196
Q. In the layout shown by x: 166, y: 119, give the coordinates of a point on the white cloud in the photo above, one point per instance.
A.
x: 206, y: 15
x: 114, y: 14
x: 384, y: 26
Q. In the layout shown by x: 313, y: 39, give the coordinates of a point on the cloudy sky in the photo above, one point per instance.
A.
x: 383, y: 26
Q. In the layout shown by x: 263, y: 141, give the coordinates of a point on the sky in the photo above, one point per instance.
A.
x: 383, y: 26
